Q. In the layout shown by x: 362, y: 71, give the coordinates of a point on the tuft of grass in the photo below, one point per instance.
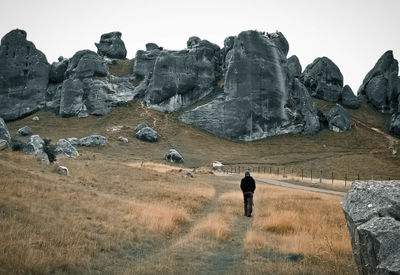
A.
x: 213, y: 227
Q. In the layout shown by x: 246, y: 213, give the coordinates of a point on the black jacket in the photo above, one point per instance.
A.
x: 248, y: 184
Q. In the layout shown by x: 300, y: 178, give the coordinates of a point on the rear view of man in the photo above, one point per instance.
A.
x: 248, y: 185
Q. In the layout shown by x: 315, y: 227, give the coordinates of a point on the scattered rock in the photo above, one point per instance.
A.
x: 338, y: 119
x: 62, y: 170
x: 147, y: 134
x: 218, y: 165
x: 35, y: 118
x: 3, y: 144
x: 349, y: 100
x: 323, y: 79
x: 25, y: 131
x: 123, y: 139
x: 372, y: 211
x: 189, y: 175
x: 4, y: 133
x: 35, y: 146
x: 111, y: 45
x: 92, y: 141
x: 395, y: 125
x: 24, y: 75
x: 141, y: 126
x: 66, y: 149
x: 173, y: 156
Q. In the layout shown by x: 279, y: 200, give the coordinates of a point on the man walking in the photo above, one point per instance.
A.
x: 248, y: 185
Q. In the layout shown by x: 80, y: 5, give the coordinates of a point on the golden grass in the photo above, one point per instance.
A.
x: 214, y: 227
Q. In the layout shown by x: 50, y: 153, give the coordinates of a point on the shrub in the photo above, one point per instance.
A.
x: 50, y: 150
x: 17, y: 145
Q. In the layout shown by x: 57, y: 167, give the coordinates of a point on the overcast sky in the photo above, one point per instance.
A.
x: 353, y: 33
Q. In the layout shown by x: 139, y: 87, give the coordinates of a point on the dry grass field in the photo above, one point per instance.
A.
x: 123, y: 210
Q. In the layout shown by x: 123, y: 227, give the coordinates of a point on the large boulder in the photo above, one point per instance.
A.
x: 349, y: 99
x: 338, y: 119
x: 92, y: 141
x: 66, y: 149
x: 57, y: 70
x: 173, y: 156
x: 71, y: 101
x: 36, y: 146
x: 144, y: 63
x: 181, y: 78
x: 86, y: 64
x: 24, y: 75
x: 323, y: 79
x: 372, y: 211
x: 294, y: 66
x: 140, y: 126
x: 395, y: 125
x: 380, y: 85
x: 4, y: 133
x: 111, y: 45
x: 147, y: 134
x: 256, y: 94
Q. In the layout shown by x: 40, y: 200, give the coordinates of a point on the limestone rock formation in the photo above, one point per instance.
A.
x: 92, y: 141
x: 140, y: 126
x: 4, y: 133
x: 372, y: 211
x: 111, y: 45
x: 36, y: 146
x: 395, y: 125
x: 86, y: 64
x: 152, y: 46
x: 338, y: 119
x: 380, y: 85
x: 57, y: 70
x: 71, y: 102
x: 323, y: 79
x: 66, y: 149
x: 173, y: 156
x: 256, y: 97
x: 25, y: 131
x: 24, y: 75
x: 349, y: 100
x: 3, y: 144
x: 147, y: 134
x: 294, y: 66
x: 144, y: 62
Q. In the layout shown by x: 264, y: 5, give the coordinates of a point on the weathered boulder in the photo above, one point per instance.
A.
x: 140, y: 126
x: 57, y: 71
x: 395, y: 125
x: 86, y: 64
x: 152, y: 46
x: 74, y: 141
x: 123, y: 139
x: 92, y: 141
x: 144, y: 63
x: 173, y: 156
x: 181, y: 78
x: 349, y: 99
x: 280, y: 41
x: 71, y: 102
x: 256, y: 93
x: 323, y: 79
x: 24, y: 75
x: 25, y: 131
x: 372, y: 211
x: 338, y: 119
x: 62, y: 170
x: 4, y: 133
x: 97, y: 97
x: 147, y: 134
x: 294, y: 66
x: 111, y: 45
x: 36, y: 146
x: 3, y: 144
x: 35, y: 118
x: 66, y: 149
x: 380, y: 85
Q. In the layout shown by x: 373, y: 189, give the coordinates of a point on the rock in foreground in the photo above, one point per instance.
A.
x: 173, y: 156
x: 372, y: 211
x: 147, y: 134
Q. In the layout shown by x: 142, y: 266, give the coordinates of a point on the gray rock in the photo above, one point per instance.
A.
x: 35, y: 118
x: 338, y: 119
x: 3, y: 144
x: 123, y: 139
x: 111, y: 45
x: 141, y: 126
x: 24, y: 75
x: 395, y: 125
x: 35, y: 146
x: 173, y: 156
x: 380, y: 85
x: 294, y: 66
x: 73, y: 141
x: 83, y: 114
x: 71, y: 97
x: 62, y: 170
x: 86, y: 64
x: 144, y: 63
x: 349, y: 100
x: 323, y: 79
x: 57, y: 71
x: 280, y: 41
x: 193, y: 42
x: 147, y: 134
x: 66, y: 149
x: 4, y: 133
x: 372, y: 211
x: 152, y: 46
x: 25, y: 131
x: 97, y: 97
x: 93, y: 141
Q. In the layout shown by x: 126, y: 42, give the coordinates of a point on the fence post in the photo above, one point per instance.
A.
x: 278, y: 171
x: 284, y: 171
x: 264, y: 169
x: 358, y: 177
x: 345, y: 180
x: 302, y: 174
x: 320, y: 176
x: 332, y: 177
x: 270, y: 170
x: 311, y: 175
x: 292, y: 172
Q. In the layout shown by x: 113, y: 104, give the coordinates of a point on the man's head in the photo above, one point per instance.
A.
x: 247, y: 174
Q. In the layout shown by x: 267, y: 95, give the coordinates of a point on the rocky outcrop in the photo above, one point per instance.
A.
x: 294, y: 66
x: 256, y: 101
x: 147, y: 134
x: 179, y: 78
x: 4, y: 133
x: 349, y: 100
x: 372, y: 211
x: 111, y: 45
x: 24, y: 75
x: 71, y: 102
x: 25, y: 131
x: 338, y: 119
x: 395, y: 125
x: 92, y: 141
x: 86, y: 64
x: 173, y: 156
x: 58, y: 69
x: 323, y: 79
x: 66, y: 149
x: 144, y: 62
x: 36, y: 146
x: 380, y: 85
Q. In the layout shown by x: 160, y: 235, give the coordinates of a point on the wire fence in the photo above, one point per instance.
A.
x: 302, y: 174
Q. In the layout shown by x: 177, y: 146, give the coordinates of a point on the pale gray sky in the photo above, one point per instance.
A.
x: 353, y: 33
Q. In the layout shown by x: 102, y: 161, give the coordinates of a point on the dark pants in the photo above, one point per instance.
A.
x: 248, y: 203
